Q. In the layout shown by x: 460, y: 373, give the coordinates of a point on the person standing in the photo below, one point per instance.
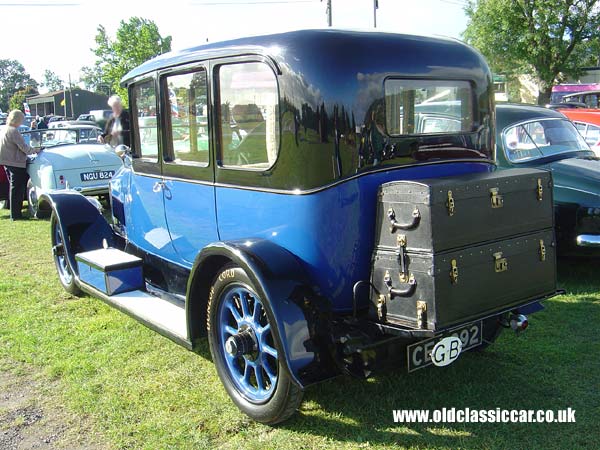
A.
x: 117, y: 127
x: 13, y: 156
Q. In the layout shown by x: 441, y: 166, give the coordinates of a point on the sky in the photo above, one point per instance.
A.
x: 58, y: 34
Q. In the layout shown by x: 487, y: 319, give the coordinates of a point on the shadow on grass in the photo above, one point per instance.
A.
x: 548, y: 368
x: 579, y: 275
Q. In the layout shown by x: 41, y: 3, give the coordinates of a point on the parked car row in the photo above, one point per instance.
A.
x: 72, y: 159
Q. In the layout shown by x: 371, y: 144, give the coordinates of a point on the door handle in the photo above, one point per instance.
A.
x: 158, y: 186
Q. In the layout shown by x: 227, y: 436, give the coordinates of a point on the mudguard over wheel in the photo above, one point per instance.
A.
x: 63, y: 267
x: 245, y: 352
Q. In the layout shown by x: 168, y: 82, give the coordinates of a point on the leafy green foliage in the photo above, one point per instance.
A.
x: 13, y: 77
x: 548, y: 39
x: 52, y: 81
x: 17, y: 100
x: 137, y: 40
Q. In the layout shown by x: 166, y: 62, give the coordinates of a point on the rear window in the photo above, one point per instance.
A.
x: 428, y: 106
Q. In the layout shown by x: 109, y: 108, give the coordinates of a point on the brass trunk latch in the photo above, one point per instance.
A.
x: 421, y: 314
x: 402, y: 257
x: 450, y: 204
x: 497, y: 200
x: 500, y: 263
x: 453, y: 272
x: 540, y: 190
x: 542, y: 250
x: 381, y: 308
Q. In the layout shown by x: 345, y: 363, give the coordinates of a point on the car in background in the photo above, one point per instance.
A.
x: 591, y: 99
x: 532, y: 136
x: 72, y: 159
x: 587, y: 122
x: 72, y: 123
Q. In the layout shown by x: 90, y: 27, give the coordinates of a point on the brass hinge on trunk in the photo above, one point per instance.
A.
x: 401, y: 250
x: 540, y: 190
x: 542, y: 250
x: 496, y: 198
x: 453, y: 272
x: 500, y: 263
x: 421, y: 314
x: 450, y: 204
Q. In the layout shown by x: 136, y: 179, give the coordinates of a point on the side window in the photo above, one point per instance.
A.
x: 144, y: 111
x: 248, y: 116
x: 188, y: 120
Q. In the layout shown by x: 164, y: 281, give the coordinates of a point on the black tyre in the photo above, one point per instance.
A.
x: 63, y: 267
x: 245, y: 352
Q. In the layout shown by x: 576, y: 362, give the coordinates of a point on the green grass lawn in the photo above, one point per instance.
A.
x: 139, y: 390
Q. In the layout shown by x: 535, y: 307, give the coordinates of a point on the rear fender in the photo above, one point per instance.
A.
x: 298, y: 314
x: 80, y: 221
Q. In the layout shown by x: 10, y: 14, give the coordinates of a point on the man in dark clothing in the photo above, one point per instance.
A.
x: 117, y: 128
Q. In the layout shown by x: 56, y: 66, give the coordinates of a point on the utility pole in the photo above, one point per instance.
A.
x: 375, y: 6
x: 328, y: 12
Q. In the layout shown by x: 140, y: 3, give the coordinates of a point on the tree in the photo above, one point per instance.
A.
x: 51, y: 81
x: 13, y: 77
x: 17, y: 100
x: 136, y: 41
x: 548, y: 39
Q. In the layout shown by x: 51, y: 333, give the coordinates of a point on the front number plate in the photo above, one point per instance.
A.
x: 97, y: 176
x: 419, y: 355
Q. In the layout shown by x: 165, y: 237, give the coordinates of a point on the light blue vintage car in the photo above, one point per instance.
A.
x: 72, y: 159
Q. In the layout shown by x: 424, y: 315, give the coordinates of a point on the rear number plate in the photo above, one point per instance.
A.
x: 427, y: 352
x: 97, y: 176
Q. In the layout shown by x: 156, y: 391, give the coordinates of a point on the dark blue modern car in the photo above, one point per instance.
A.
x: 246, y: 208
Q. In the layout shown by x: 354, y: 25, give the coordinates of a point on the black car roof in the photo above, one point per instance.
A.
x: 509, y: 113
x: 329, y: 48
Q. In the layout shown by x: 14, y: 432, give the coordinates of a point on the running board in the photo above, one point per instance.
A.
x: 158, y: 314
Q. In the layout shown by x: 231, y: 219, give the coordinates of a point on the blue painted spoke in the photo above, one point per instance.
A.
x: 244, y: 304
x: 256, y: 312
x: 269, y: 350
x: 234, y: 312
x: 264, y: 329
x: 230, y: 330
x: 272, y: 375
x: 247, y: 373
x: 260, y: 380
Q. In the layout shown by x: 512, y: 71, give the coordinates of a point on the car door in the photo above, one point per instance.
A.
x: 146, y: 223
x: 188, y: 176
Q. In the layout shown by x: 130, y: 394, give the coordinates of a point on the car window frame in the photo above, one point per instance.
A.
x: 531, y: 120
x: 474, y: 108
x: 234, y: 60
x: 171, y: 169
x: 141, y: 164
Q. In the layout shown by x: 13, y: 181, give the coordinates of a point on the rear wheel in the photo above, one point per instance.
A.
x: 33, y: 205
x: 245, y: 352
x: 63, y: 267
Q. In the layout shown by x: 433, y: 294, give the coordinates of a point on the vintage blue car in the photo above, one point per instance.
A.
x: 532, y: 136
x: 249, y: 210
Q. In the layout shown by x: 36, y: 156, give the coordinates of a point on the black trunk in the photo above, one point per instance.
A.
x: 453, y: 249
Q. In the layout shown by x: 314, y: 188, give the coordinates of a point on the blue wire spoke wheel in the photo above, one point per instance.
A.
x: 244, y: 345
x: 246, y: 342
